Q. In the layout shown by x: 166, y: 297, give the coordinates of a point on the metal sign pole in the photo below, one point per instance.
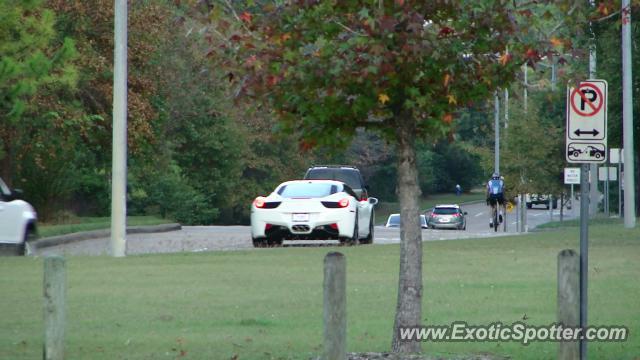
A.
x: 619, y: 182
x: 573, y: 208
x: 627, y: 119
x: 584, y: 253
x: 518, y: 213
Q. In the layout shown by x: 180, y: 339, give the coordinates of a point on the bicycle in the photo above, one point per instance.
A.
x: 494, y: 216
x: 495, y: 223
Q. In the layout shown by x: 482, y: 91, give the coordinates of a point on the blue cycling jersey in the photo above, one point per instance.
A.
x: 496, y: 186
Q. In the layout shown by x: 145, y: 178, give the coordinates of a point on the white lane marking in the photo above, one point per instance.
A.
x: 479, y: 214
x: 536, y: 215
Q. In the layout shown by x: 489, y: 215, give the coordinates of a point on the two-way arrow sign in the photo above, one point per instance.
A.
x: 593, y: 132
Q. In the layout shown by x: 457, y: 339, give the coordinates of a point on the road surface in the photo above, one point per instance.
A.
x: 220, y: 238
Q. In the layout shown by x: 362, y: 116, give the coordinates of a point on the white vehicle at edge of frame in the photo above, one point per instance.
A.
x: 17, y: 221
x: 312, y: 210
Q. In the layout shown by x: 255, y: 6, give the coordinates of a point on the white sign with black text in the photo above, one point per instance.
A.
x: 571, y: 176
x: 586, y: 136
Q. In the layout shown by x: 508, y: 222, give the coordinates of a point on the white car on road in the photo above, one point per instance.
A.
x: 17, y: 221
x: 312, y: 209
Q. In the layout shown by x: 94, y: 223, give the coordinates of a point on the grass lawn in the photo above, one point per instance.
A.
x: 78, y: 224
x: 267, y: 303
x: 576, y: 223
x: 383, y: 209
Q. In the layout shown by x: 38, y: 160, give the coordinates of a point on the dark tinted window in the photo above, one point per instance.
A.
x: 445, y: 211
x: 349, y: 191
x: 349, y: 177
x: 307, y: 190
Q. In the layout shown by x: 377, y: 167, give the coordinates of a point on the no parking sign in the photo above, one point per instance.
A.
x: 587, y: 122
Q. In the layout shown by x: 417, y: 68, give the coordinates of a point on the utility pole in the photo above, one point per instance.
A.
x: 593, y: 168
x: 526, y: 84
x: 627, y: 120
x: 119, y: 151
x: 506, y: 110
x: 496, y: 163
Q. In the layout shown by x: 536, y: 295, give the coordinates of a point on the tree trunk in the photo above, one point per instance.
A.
x: 409, y: 306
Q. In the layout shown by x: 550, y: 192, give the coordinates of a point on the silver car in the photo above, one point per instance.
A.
x: 394, y: 221
x: 447, y: 217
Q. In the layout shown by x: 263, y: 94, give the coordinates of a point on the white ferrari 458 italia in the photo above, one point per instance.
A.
x: 312, y: 210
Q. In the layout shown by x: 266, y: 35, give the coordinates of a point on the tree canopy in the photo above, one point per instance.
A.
x: 401, y: 68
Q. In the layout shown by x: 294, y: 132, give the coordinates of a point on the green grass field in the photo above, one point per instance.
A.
x: 78, y: 224
x: 576, y: 223
x: 383, y: 209
x: 267, y: 304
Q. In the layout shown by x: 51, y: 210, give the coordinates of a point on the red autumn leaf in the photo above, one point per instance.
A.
x: 445, y: 31
x: 272, y: 80
x: 532, y: 54
x: 246, y: 17
x: 388, y: 23
x: 603, y: 9
x: 306, y: 145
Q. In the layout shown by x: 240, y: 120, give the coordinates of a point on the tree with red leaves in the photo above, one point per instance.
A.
x: 400, y: 68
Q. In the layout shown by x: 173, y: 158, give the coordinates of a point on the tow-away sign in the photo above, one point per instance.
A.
x: 587, y: 122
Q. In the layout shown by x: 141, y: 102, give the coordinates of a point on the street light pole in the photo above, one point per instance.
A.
x: 627, y: 120
x: 496, y: 163
x: 593, y: 168
x: 119, y: 151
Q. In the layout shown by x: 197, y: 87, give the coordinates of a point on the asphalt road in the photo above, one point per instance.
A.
x: 221, y: 238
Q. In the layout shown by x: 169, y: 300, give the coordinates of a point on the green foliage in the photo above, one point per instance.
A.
x: 440, y: 168
x: 171, y: 195
x: 30, y: 58
x: 532, y: 158
x: 37, y: 67
x: 332, y: 67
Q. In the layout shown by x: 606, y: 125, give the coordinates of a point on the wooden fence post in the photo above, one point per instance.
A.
x: 568, y: 300
x: 335, y: 307
x: 54, y: 308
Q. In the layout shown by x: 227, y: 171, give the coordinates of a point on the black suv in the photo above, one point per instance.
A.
x: 540, y: 199
x: 349, y: 175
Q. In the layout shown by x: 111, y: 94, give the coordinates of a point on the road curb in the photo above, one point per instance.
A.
x: 472, y: 202
x: 96, y: 234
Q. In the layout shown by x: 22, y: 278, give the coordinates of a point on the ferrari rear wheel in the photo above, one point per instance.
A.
x: 259, y: 242
x: 354, y: 239
x: 267, y: 242
x: 369, y: 238
x: 275, y: 241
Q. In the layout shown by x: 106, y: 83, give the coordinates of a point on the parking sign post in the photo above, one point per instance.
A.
x: 584, y: 251
x: 586, y: 144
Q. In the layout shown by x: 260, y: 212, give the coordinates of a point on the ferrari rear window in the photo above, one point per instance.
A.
x: 349, y: 177
x: 307, y: 190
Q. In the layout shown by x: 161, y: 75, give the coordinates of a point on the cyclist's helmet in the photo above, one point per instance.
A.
x: 495, y: 176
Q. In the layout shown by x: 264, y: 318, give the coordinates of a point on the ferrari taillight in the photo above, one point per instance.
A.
x: 259, y: 202
x: 343, y: 203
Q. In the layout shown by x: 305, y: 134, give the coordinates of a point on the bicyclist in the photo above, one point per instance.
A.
x: 495, y: 195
